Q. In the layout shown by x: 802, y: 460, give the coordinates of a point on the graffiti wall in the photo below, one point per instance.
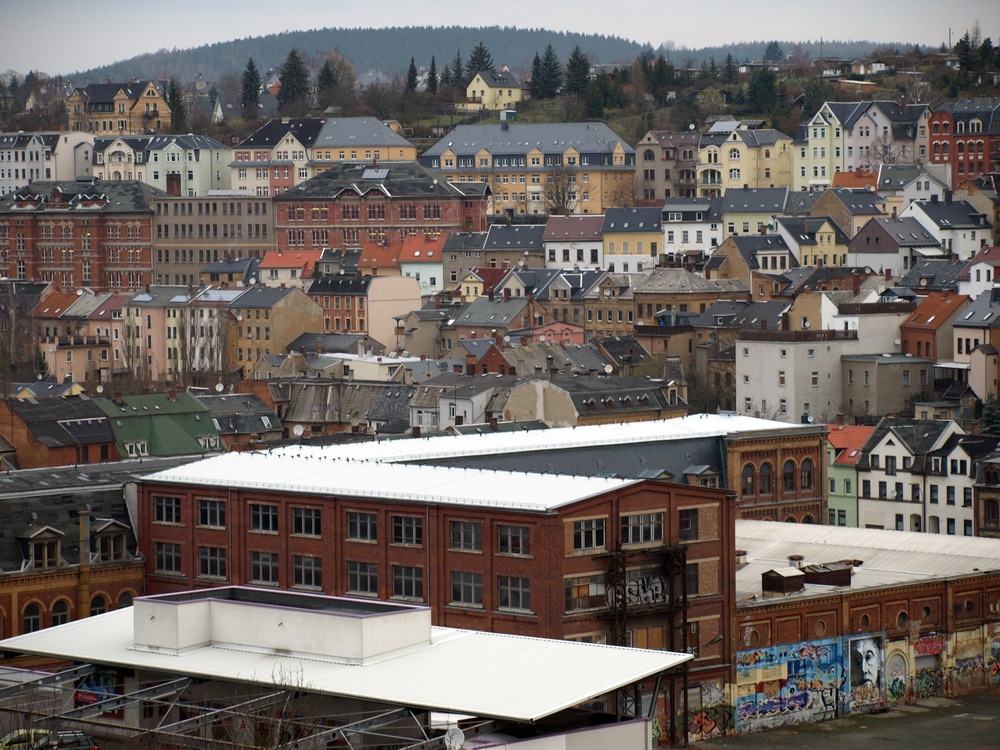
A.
x: 866, y: 656
x: 709, y: 715
x: 896, y: 678
x: 788, y: 684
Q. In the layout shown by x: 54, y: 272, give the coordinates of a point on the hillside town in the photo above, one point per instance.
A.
x: 307, y: 404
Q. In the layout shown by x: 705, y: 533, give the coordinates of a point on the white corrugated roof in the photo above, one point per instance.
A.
x: 321, y: 472
x: 888, y: 557
x: 515, y: 677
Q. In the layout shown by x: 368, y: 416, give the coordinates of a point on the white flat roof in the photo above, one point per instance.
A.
x: 459, y: 671
x: 320, y: 471
x: 888, y: 557
x: 415, y: 449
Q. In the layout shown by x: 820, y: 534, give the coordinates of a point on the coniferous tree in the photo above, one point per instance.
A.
x: 457, y: 71
x: 411, y: 77
x: 762, y: 91
x: 660, y: 78
x: 446, y: 75
x: 986, y: 54
x: 965, y: 53
x: 773, y: 52
x: 178, y: 112
x: 550, y: 74
x: 480, y: 59
x: 293, y: 97
x: 250, y: 94
x: 730, y: 72
x: 577, y: 72
x: 432, y: 77
x: 989, y: 421
x: 536, y: 77
x: 326, y: 84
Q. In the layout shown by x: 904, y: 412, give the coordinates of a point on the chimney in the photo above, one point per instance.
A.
x: 498, y: 340
x: 423, y: 357
x: 83, y: 580
x: 490, y: 295
x: 549, y: 366
x: 538, y: 371
x: 493, y: 423
x: 506, y: 294
x: 840, y: 418
x: 741, y: 558
x: 795, y: 561
x: 888, y: 274
x: 470, y: 364
x: 934, y: 198
x: 172, y: 394
x: 947, y: 195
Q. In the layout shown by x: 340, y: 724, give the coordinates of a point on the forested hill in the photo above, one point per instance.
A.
x: 390, y: 50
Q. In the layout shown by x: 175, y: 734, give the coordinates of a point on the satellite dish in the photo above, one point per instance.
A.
x: 100, y: 389
x: 297, y: 430
x: 219, y: 387
x: 79, y: 292
x: 608, y: 369
x: 454, y: 739
x: 253, y: 280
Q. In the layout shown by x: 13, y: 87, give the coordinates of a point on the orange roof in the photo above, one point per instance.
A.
x: 376, y: 256
x: 420, y: 249
x: 302, y: 259
x: 855, y: 179
x: 987, y: 254
x: 848, y: 439
x: 934, y: 310
x: 54, y: 305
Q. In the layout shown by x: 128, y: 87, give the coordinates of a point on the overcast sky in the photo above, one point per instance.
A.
x: 58, y: 37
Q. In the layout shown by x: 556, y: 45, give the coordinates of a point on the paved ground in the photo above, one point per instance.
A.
x: 971, y: 723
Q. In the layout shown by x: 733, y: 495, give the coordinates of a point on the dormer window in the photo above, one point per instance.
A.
x: 109, y: 541
x: 44, y: 549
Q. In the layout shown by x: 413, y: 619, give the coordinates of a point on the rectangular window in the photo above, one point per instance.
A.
x: 212, y: 562
x: 264, y: 567
x: 407, y: 530
x: 688, y: 525
x: 588, y: 534
x: 691, y: 579
x: 212, y: 513
x: 966, y: 497
x: 306, y: 521
x: 514, y: 593
x: 167, y: 557
x: 307, y: 571
x: 586, y: 592
x: 362, y: 527
x: 467, y: 536
x: 514, y: 540
x: 166, y: 509
x: 467, y: 589
x: 642, y: 528
x: 263, y: 517
x: 362, y: 578
x: 950, y: 494
x: 407, y: 582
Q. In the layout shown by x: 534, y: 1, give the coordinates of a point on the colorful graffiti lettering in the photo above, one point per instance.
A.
x: 756, y: 658
x: 812, y: 651
x: 968, y: 673
x: 930, y: 645
x: 928, y: 683
x: 895, y: 690
x: 710, y: 722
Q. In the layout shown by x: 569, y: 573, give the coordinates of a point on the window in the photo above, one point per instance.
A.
x: 212, y: 513
x: 514, y: 593
x: 407, y: 530
x: 307, y: 571
x: 60, y: 612
x: 951, y: 526
x: 467, y: 536
x: 642, y: 528
x: 688, y: 524
x: 514, y: 540
x: 362, y: 527
x: 166, y: 509
x: 807, y: 474
x: 32, y: 618
x: 747, y: 480
x: 212, y: 562
x: 691, y: 579
x: 362, y: 577
x: 45, y: 553
x: 167, y: 557
x: 950, y: 494
x: 263, y: 517
x: 467, y: 589
x: 586, y: 592
x: 264, y: 567
x: 407, y: 582
x: 966, y: 497
x: 765, y: 479
x: 788, y: 476
x: 588, y: 534
x: 306, y: 521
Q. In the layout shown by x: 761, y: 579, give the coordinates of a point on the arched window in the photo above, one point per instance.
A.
x: 790, y: 519
x: 767, y: 153
x: 945, y: 148
x: 98, y: 605
x: 765, y: 478
x: 734, y: 174
x: 936, y: 128
x: 647, y: 155
x: 808, y: 519
x: 32, y: 618
x: 960, y: 147
x: 734, y: 153
x: 945, y: 128
x: 959, y: 127
x: 60, y: 612
x: 807, y: 474
x: 124, y: 599
x: 788, y: 476
x: 747, y: 479
x: 991, y: 513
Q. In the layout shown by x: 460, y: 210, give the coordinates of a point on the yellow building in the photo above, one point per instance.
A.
x: 131, y: 108
x: 540, y: 168
x: 750, y: 158
x: 814, y: 240
x: 491, y: 89
x: 633, y: 238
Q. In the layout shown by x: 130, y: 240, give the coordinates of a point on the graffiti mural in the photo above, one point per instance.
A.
x: 787, y: 684
x: 928, y: 683
x: 895, y: 685
x: 710, y: 722
x: 968, y: 674
x: 866, y: 677
x: 994, y: 668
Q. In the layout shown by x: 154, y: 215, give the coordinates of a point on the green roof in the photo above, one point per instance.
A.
x: 157, y: 425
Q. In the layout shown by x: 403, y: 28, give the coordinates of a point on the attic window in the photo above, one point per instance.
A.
x: 45, y: 553
x: 111, y: 545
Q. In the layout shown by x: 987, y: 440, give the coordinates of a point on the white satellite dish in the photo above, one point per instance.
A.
x: 297, y: 430
x: 100, y: 389
x: 219, y: 387
x: 253, y: 280
x: 608, y: 369
x: 454, y: 739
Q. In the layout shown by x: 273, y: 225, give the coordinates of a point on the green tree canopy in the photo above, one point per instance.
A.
x: 293, y: 97
x: 989, y: 422
x: 762, y: 91
x: 178, y: 112
x: 773, y: 52
x: 432, y: 77
x: 250, y: 93
x: 730, y: 71
x: 411, y: 77
x: 549, y: 79
x: 480, y: 59
x: 457, y: 74
x: 327, y: 82
x: 577, y: 72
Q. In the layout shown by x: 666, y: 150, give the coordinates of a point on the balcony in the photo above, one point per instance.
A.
x: 71, y: 341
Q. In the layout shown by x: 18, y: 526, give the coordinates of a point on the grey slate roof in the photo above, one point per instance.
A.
x: 570, y: 228
x: 804, y: 228
x: 749, y: 245
x: 953, y: 214
x: 800, y: 201
x: 349, y: 285
x: 679, y: 280
x: 335, y: 343
x: 260, y: 296
x: 121, y: 196
x: 305, y: 129
x: 395, y: 179
x: 983, y: 312
x: 858, y: 201
x: 933, y: 275
x: 357, y: 131
x: 630, y: 220
x: 520, y: 138
x: 754, y: 200
x: 391, y: 410
x: 514, y: 237
x: 239, y: 413
x: 63, y: 422
x: 735, y: 314
x: 496, y: 313
x: 465, y: 241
